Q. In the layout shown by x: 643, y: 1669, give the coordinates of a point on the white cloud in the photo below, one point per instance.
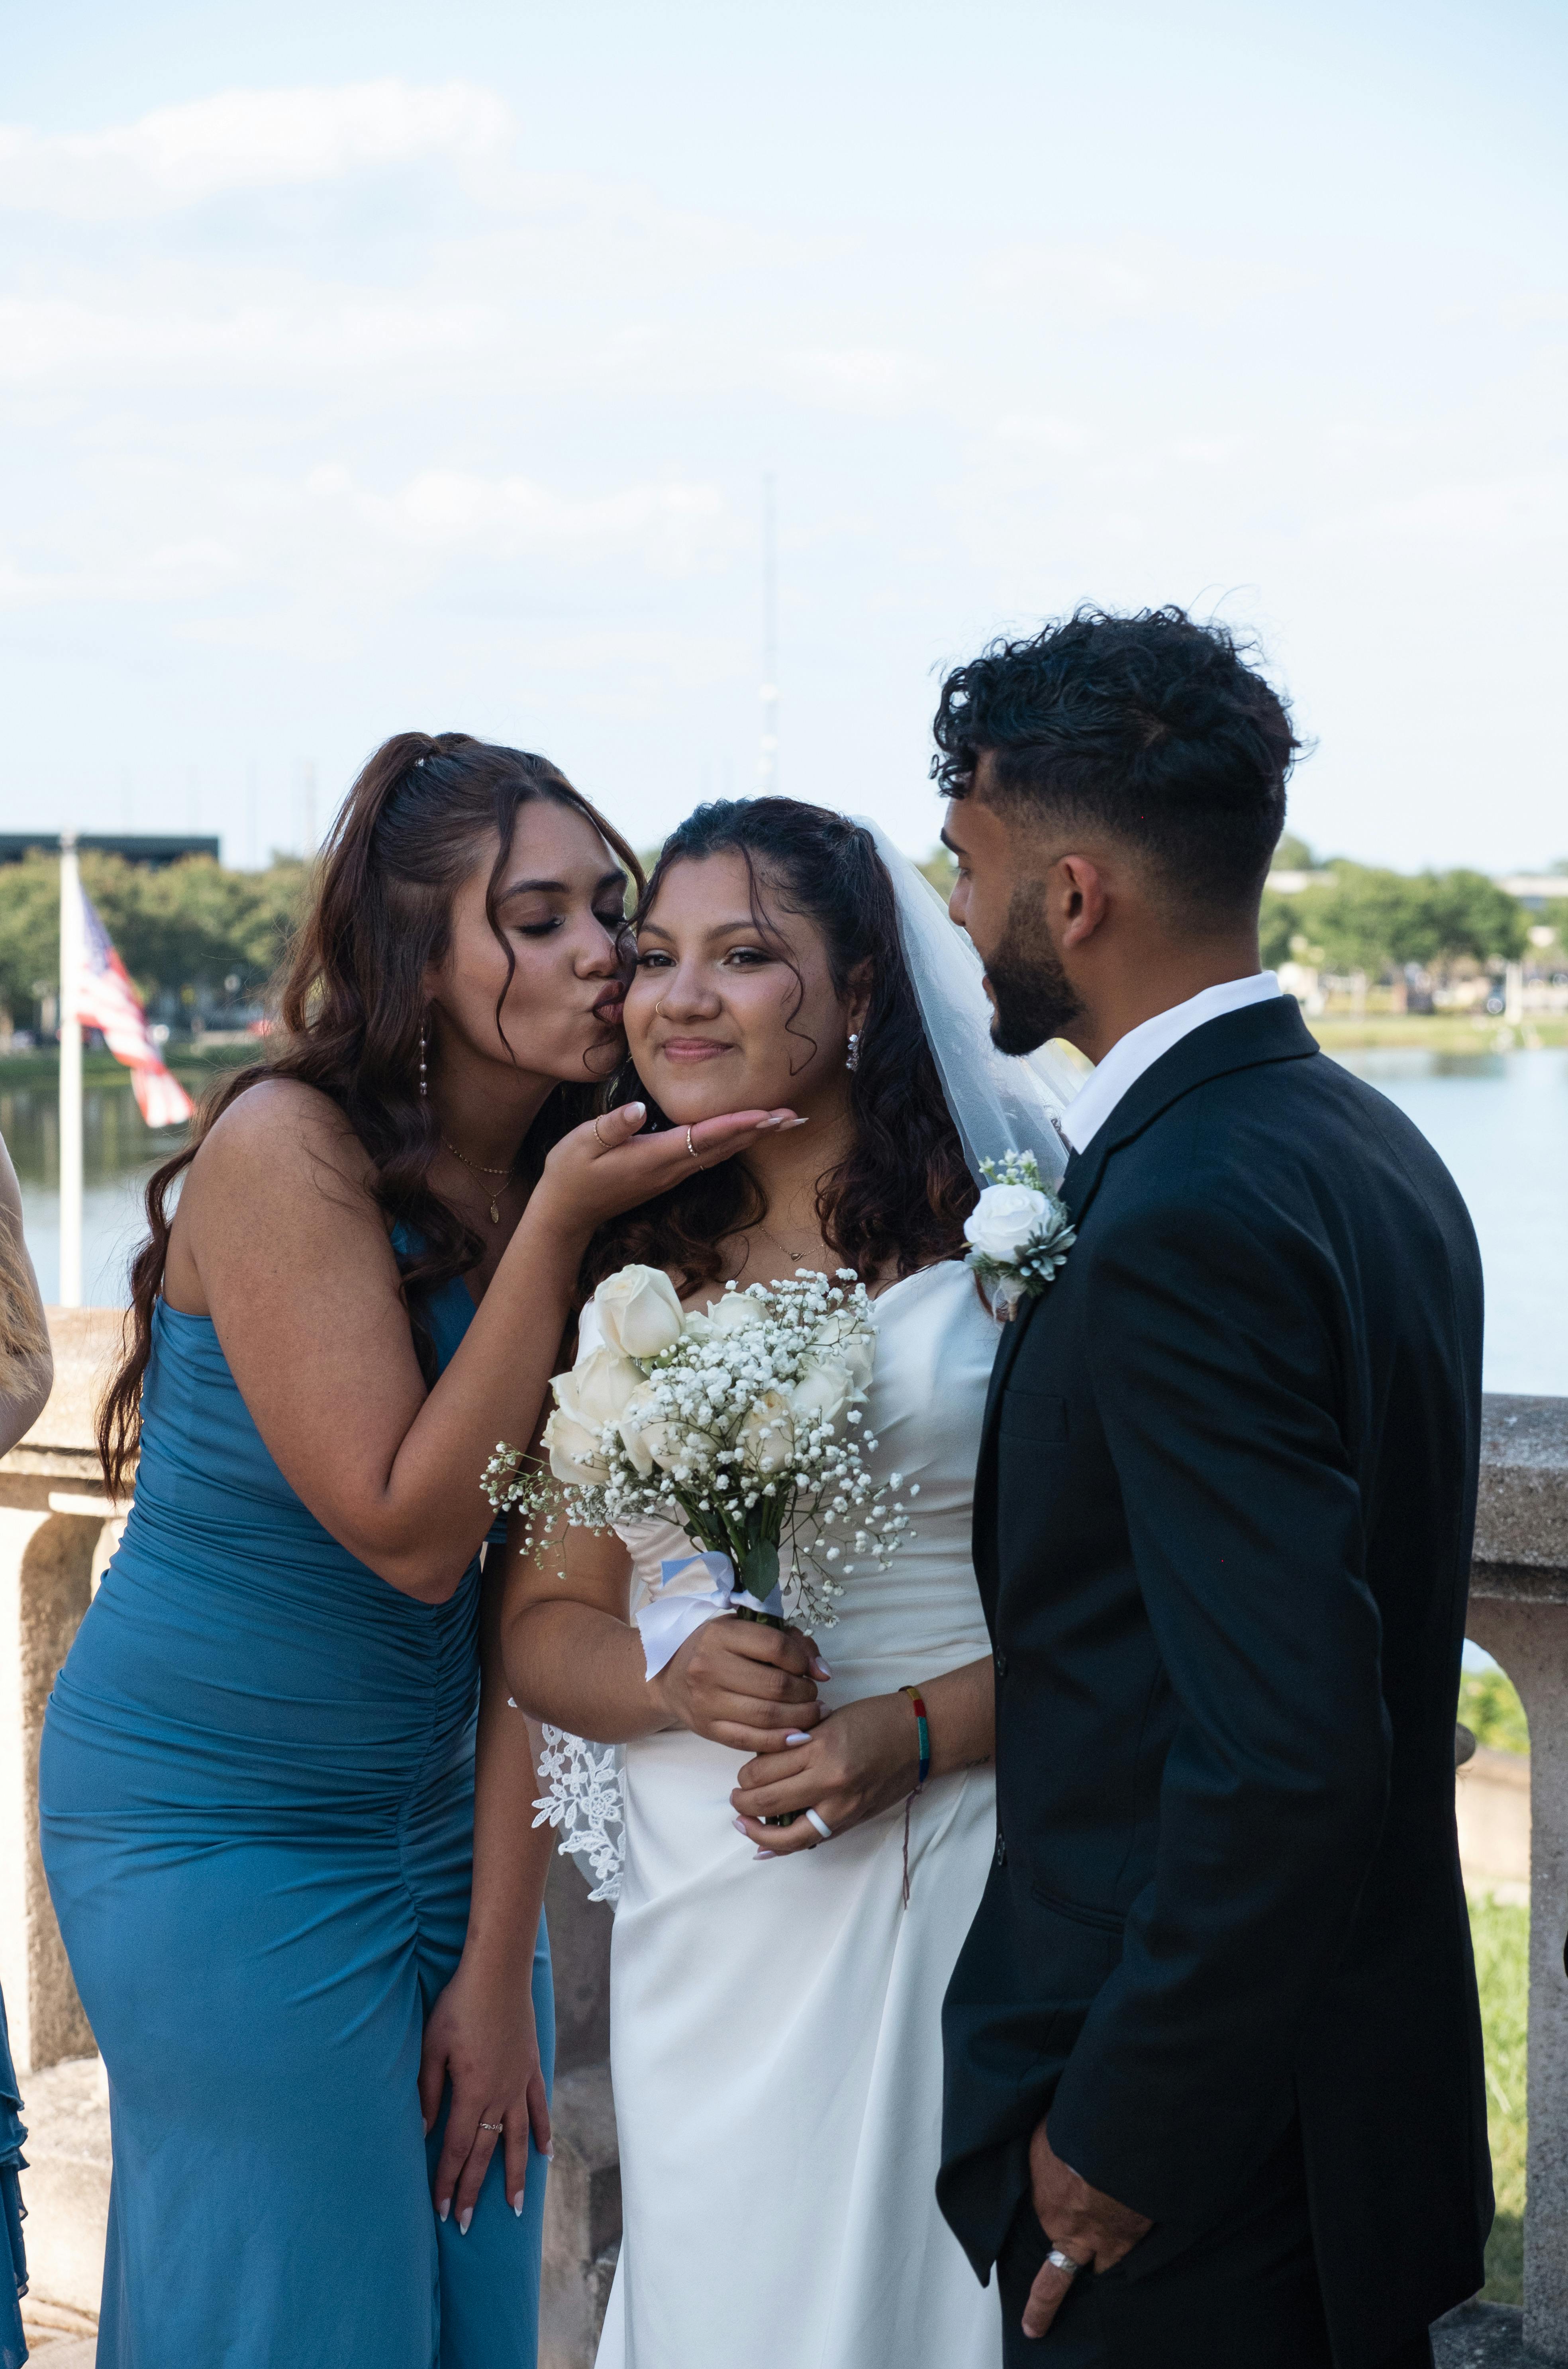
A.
x: 676, y: 528
x: 321, y: 331
x: 191, y: 570
x: 1147, y: 284
x: 1503, y: 510
x: 859, y: 378
x: 244, y: 140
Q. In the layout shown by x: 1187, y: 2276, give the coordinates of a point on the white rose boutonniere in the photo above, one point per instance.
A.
x: 1018, y: 1233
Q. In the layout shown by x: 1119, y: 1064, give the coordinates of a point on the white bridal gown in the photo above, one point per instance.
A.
x: 775, y: 2025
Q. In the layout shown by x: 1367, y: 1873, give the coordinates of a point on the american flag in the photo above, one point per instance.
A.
x: 105, y: 1000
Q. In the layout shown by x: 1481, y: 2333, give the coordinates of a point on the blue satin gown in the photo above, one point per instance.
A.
x: 256, y: 1796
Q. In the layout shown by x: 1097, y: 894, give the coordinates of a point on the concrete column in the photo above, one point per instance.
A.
x: 53, y: 1518
x: 582, y: 2211
x: 1518, y: 1611
x: 45, y: 1584
x: 1531, y: 1643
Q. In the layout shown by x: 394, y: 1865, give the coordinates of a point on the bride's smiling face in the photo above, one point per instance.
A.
x: 723, y: 1014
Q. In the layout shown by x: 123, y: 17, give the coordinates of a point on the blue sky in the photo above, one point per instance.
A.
x: 389, y: 366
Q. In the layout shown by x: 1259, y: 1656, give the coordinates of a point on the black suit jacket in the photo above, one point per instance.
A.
x: 1222, y: 1530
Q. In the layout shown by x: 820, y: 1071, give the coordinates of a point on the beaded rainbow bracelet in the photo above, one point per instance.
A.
x: 923, y: 1731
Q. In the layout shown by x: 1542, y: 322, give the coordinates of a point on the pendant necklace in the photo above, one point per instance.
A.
x: 476, y: 1170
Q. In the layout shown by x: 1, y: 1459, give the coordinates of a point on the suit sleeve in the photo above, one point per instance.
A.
x: 1215, y: 1371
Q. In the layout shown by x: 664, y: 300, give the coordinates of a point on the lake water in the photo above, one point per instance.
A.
x: 1500, y: 1120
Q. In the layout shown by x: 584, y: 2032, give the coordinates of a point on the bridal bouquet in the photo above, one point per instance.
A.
x: 740, y: 1424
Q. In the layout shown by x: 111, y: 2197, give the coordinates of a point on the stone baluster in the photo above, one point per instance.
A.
x: 1518, y: 1611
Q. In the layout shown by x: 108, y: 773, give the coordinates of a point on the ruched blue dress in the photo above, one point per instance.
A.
x: 257, y: 1795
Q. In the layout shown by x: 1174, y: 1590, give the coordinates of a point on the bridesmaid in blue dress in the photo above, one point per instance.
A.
x: 286, y: 1812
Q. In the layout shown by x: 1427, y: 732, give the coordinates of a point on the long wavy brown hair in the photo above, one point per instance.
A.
x: 899, y: 1199
x: 351, y: 1004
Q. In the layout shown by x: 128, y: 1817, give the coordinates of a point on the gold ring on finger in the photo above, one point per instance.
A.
x: 485, y: 2125
x: 693, y: 1149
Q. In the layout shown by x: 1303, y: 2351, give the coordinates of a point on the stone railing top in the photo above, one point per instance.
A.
x: 1521, y: 1530
x: 86, y: 1341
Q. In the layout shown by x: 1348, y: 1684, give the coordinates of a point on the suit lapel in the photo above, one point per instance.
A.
x: 1273, y: 1031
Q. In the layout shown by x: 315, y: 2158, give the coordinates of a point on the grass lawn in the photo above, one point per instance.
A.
x: 1437, y: 1032
x: 1502, y: 1935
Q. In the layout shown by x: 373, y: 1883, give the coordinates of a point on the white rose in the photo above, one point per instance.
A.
x: 821, y: 1394
x: 638, y: 1312
x: 841, y: 1342
x: 734, y: 1312
x: 1004, y: 1219
x: 646, y: 1433
x: 598, y: 1388
x: 573, y: 1452
x: 766, y: 1439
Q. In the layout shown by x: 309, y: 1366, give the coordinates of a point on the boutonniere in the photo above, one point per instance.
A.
x: 1018, y: 1233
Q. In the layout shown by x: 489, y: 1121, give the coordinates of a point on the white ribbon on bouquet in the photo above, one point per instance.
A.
x: 682, y: 1604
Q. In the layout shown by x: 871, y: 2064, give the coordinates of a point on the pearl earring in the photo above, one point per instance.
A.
x: 424, y: 1088
x: 852, y: 1058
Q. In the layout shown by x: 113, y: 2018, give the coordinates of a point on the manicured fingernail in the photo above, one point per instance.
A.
x: 797, y: 1735
x: 763, y: 1854
x: 794, y: 1122
x: 443, y: 2208
x: 463, y: 2221
x: 634, y: 1110
x: 739, y: 1825
x: 819, y: 1668
x: 516, y: 2205
x: 550, y: 2152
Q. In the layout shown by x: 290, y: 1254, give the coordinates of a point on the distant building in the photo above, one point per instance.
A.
x: 153, y: 849
x: 1535, y: 889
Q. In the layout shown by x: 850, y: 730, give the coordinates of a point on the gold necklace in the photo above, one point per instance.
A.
x: 476, y: 1170
x: 779, y: 1243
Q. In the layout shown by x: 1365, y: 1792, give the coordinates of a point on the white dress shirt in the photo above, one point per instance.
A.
x: 1141, y: 1048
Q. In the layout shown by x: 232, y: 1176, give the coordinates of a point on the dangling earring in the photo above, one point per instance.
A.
x: 424, y: 1088
x: 852, y: 1058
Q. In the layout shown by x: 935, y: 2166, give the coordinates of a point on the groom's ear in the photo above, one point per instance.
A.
x: 1079, y: 892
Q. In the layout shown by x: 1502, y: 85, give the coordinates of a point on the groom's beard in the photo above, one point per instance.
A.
x: 1033, y: 998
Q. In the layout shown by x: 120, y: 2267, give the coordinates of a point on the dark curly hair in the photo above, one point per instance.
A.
x: 901, y: 1195
x: 1151, y: 727
x: 351, y: 1001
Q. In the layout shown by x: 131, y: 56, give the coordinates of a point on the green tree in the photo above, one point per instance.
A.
x: 1293, y: 854
x: 29, y: 932
x: 190, y: 925
x: 1367, y: 918
x: 1279, y: 923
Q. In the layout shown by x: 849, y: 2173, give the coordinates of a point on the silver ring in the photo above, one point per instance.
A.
x: 693, y: 1149
x: 1056, y: 2258
x: 492, y: 2126
x: 823, y: 1828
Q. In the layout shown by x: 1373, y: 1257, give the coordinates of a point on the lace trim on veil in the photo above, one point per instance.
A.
x: 582, y: 1796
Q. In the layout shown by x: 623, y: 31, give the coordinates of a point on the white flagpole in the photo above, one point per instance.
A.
x: 72, y: 950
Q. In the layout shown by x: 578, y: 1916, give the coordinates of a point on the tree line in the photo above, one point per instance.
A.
x: 1362, y: 917
x: 184, y: 932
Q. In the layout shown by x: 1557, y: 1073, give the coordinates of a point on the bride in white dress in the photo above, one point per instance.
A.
x: 776, y: 1989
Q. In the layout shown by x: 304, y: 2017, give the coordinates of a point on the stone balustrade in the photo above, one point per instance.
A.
x: 57, y: 1531
x: 1518, y: 1611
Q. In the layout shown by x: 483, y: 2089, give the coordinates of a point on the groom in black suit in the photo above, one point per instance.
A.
x: 1214, y: 2065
